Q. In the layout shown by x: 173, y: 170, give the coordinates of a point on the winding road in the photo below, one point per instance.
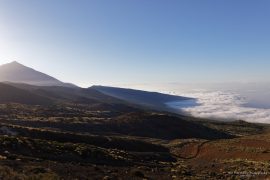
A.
x: 199, y: 147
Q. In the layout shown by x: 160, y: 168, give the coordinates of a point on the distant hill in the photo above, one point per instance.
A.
x: 10, y: 94
x: 18, y: 73
x: 154, y: 100
x: 68, y: 94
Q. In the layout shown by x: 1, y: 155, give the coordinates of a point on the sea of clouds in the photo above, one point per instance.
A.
x: 227, y: 101
x: 222, y: 106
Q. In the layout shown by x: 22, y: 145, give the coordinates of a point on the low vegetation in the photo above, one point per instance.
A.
x: 114, y: 141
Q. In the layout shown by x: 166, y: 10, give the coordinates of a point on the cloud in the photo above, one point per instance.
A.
x: 225, y: 106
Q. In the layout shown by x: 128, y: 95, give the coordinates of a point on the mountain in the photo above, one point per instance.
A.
x: 18, y: 73
x: 28, y: 79
x: 43, y: 86
x: 153, y: 100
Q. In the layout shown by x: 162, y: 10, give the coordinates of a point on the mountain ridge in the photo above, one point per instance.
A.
x: 154, y: 100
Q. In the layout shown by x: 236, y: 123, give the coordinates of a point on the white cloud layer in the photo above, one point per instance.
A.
x: 223, y: 105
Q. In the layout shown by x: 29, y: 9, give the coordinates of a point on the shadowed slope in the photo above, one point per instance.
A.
x: 10, y: 94
x: 164, y: 126
x: 68, y: 94
x: 150, y: 99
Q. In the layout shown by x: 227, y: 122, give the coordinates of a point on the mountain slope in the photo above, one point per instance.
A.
x: 10, y: 94
x: 163, y: 126
x: 18, y: 73
x: 150, y: 99
x: 68, y: 94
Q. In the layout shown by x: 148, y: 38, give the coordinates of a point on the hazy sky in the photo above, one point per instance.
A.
x: 138, y: 41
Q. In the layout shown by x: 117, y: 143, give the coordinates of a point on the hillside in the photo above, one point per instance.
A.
x: 61, y: 94
x: 10, y: 94
x: 153, y: 100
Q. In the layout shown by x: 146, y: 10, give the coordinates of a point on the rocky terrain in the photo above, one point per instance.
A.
x: 70, y: 141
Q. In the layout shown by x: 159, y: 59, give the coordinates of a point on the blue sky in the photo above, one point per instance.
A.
x: 113, y: 42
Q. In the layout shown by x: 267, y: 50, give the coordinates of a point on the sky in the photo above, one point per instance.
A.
x: 106, y: 42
